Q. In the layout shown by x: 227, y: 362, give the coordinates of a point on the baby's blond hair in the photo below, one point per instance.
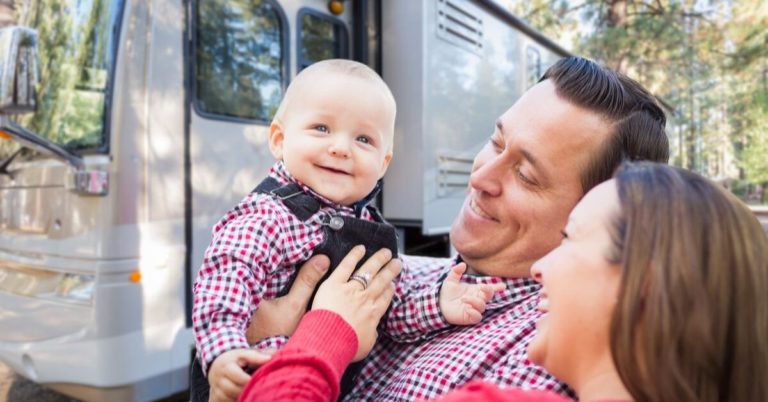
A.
x: 339, y: 66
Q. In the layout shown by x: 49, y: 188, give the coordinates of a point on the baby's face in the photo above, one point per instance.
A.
x: 337, y: 136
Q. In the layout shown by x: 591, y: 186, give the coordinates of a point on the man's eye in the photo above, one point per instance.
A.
x: 564, y: 233
x: 495, y: 143
x: 365, y: 139
x: 321, y: 128
x: 525, y: 178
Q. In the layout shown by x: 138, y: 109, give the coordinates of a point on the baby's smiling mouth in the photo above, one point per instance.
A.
x: 334, y: 170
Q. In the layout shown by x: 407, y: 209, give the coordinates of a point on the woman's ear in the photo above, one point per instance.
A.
x: 276, y: 138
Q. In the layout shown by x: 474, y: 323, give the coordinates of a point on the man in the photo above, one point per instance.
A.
x: 561, y: 138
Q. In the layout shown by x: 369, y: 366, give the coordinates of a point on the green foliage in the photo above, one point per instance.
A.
x: 707, y: 59
x: 754, y: 156
x: 73, y: 57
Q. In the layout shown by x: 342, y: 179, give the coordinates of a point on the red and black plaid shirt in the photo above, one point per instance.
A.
x: 495, y: 350
x: 253, y: 256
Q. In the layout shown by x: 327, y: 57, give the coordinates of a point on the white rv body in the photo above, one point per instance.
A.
x: 95, y: 280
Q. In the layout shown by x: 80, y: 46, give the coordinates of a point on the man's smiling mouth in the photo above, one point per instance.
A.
x: 476, y: 208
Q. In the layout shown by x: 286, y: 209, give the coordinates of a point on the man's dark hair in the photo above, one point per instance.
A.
x: 638, y: 121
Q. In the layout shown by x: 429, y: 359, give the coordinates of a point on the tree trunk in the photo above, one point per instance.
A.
x: 617, y: 14
x: 616, y: 18
x: 6, y: 13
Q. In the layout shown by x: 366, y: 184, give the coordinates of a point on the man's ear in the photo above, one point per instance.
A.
x: 385, y: 164
x: 276, y: 138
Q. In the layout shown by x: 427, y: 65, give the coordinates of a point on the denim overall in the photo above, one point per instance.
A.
x: 342, y: 233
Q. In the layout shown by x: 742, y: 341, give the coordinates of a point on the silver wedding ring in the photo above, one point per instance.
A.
x: 361, y: 278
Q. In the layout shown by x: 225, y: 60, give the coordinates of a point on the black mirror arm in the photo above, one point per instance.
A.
x: 7, y: 162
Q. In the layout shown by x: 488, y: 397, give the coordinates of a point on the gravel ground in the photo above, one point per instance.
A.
x: 14, y: 388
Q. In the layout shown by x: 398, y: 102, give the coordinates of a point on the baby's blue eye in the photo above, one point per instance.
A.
x: 364, y: 139
x: 322, y: 128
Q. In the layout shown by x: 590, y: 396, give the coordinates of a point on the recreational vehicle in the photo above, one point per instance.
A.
x: 128, y: 127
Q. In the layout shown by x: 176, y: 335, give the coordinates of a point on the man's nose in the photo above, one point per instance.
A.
x: 487, y: 175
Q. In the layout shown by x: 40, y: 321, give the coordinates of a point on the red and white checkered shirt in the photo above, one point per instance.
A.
x: 495, y: 350
x: 252, y: 257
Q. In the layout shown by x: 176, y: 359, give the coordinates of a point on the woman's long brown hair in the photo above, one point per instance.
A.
x: 691, y: 322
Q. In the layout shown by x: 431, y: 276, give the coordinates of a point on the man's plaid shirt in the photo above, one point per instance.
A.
x: 253, y: 256
x: 495, y: 350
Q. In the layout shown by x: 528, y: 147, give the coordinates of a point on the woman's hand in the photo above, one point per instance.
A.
x: 360, y: 304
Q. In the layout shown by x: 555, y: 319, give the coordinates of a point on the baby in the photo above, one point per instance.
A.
x: 332, y: 136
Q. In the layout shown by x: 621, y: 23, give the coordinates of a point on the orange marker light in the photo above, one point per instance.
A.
x: 336, y: 7
x: 135, y: 276
x: 4, y: 135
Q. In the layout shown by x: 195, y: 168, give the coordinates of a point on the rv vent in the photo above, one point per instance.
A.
x: 453, y: 173
x: 459, y: 22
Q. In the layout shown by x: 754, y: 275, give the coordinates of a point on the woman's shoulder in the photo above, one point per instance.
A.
x: 485, y: 391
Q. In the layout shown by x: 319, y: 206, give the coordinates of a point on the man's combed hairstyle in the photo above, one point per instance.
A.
x: 691, y: 319
x: 637, y: 120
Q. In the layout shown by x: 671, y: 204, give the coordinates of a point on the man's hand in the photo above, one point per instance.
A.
x: 228, y: 376
x: 462, y: 303
x: 281, y: 316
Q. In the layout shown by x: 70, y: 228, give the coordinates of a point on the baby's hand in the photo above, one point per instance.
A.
x: 462, y: 303
x: 228, y: 376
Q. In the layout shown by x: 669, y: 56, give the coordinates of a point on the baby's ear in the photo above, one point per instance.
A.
x: 276, y: 138
x: 385, y: 164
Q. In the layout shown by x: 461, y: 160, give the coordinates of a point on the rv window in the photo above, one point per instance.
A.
x: 240, y: 53
x: 321, y: 37
x: 76, y: 44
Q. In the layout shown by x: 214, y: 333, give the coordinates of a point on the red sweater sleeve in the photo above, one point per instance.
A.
x: 309, y: 367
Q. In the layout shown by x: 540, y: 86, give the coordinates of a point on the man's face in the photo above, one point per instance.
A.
x: 525, y: 181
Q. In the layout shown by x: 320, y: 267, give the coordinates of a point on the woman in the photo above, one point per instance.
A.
x: 658, y: 292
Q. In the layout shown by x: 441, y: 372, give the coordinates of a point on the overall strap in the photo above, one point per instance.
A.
x: 292, y: 196
x: 375, y: 214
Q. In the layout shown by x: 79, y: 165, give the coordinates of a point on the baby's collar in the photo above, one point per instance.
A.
x: 283, y: 174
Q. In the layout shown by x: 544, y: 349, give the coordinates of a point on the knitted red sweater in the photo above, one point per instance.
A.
x: 309, y: 368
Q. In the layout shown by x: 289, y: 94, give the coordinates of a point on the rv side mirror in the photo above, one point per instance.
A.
x: 18, y: 70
